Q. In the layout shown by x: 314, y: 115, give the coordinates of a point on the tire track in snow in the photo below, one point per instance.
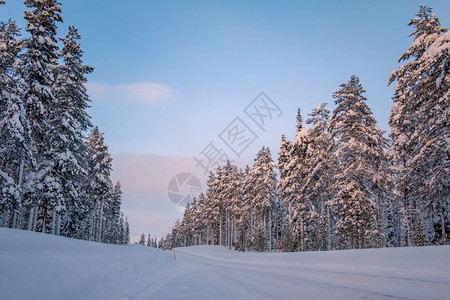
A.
x: 153, y: 288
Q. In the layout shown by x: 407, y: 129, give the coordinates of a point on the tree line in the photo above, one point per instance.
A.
x: 53, y: 178
x: 341, y: 184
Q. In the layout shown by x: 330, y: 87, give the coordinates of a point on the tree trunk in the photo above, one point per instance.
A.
x: 441, y: 215
x: 44, y: 219
x: 30, y: 219
x: 58, y: 224
x: 381, y: 220
x: 35, y: 217
x: 100, y: 222
x: 220, y: 228
x: 54, y: 221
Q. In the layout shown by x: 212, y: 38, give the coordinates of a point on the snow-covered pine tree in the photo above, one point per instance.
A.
x: 177, y: 237
x: 186, y: 226
x: 360, y: 150
x: 245, y: 212
x: 126, y: 237
x: 121, y: 234
x: 39, y: 60
x: 284, y: 186
x: 111, y: 228
x: 302, y: 212
x: 201, y: 220
x: 194, y: 226
x: 99, y: 188
x: 69, y: 120
x: 219, y: 205
x: 197, y: 222
x: 149, y: 241
x: 318, y: 183
x: 420, y: 129
x: 210, y: 210
x: 231, y: 195
x: 14, y: 127
x: 262, y: 183
x: 142, y: 240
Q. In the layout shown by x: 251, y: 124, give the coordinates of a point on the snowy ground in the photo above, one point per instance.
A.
x: 38, y: 266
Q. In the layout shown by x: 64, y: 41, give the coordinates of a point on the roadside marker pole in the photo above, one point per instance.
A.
x: 281, y: 249
x: 173, y: 247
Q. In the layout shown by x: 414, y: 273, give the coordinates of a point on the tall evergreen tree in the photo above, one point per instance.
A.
x: 99, y: 171
x: 111, y: 229
x: 14, y: 127
x: 285, y: 188
x: 304, y: 215
x: 211, y: 209
x: 359, y: 149
x: 321, y: 167
x: 69, y: 120
x: 262, y: 181
x: 245, y: 212
x: 419, y: 123
x: 126, y: 237
x: 39, y: 61
x: 231, y: 194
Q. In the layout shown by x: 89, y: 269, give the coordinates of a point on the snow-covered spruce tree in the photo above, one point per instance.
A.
x: 43, y: 189
x: 198, y: 222
x: 177, y: 238
x: 121, y: 234
x: 218, y: 203
x: 126, y: 236
x: 14, y: 127
x: 360, y: 152
x: 244, y: 221
x: 194, y: 231
x: 201, y: 224
x: 420, y: 130
x: 142, y: 240
x: 111, y: 228
x: 262, y: 183
x: 284, y: 186
x: 99, y: 183
x: 149, y: 241
x: 232, y: 196
x: 211, y: 210
x: 320, y: 168
x: 186, y: 228
x: 303, y: 216
x: 69, y: 120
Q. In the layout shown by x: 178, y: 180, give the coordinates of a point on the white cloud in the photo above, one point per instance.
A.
x: 149, y: 92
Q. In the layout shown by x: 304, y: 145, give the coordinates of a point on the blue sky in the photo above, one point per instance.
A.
x: 171, y: 75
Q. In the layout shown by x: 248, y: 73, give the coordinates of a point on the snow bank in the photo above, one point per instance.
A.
x: 40, y: 266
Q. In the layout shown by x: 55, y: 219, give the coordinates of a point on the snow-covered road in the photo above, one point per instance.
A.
x: 214, y: 272
x: 40, y: 266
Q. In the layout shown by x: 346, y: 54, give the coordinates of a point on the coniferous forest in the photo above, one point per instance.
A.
x: 54, y: 165
x: 343, y: 183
